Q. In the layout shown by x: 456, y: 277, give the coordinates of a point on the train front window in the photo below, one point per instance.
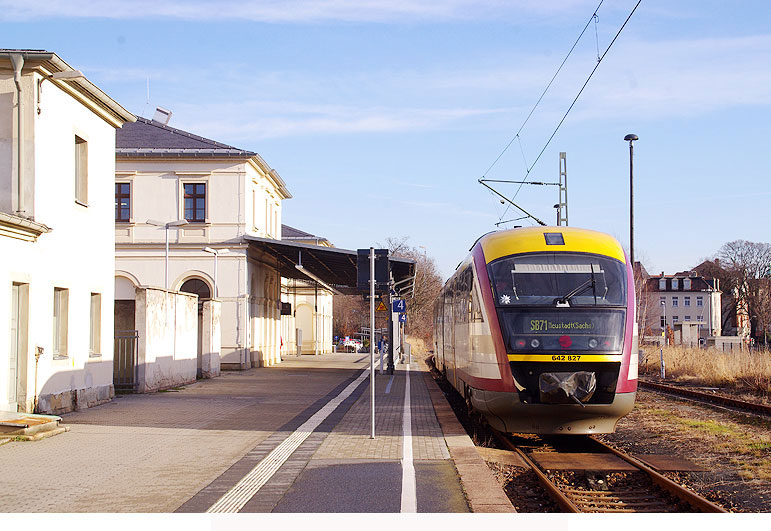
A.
x: 558, y: 279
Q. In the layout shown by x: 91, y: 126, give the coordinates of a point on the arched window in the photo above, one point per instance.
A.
x: 197, y: 287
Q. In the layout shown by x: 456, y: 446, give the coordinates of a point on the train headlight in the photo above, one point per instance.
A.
x: 593, y: 343
x: 520, y: 343
x: 535, y: 343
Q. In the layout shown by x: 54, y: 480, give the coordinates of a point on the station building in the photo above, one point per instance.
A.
x: 57, y: 162
x: 204, y: 198
x: 306, y: 305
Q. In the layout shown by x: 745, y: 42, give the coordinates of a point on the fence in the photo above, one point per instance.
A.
x: 124, y: 374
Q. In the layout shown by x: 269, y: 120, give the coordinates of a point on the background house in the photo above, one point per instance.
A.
x: 56, y: 234
x: 684, y: 297
x: 218, y: 194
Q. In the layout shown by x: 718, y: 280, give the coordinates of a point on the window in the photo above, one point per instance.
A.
x: 195, y: 202
x: 674, y: 302
x: 662, y: 284
x: 699, y: 301
x: 687, y: 317
x: 686, y: 301
x: 95, y: 336
x: 122, y: 202
x: 663, y: 301
x: 663, y: 321
x: 267, y: 213
x: 675, y: 284
x: 254, y: 209
x: 61, y: 301
x: 81, y: 171
x: 686, y: 283
x: 700, y: 318
x: 537, y: 279
x: 675, y: 318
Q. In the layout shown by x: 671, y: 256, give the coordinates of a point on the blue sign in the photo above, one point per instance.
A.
x: 398, y: 306
x: 402, y: 317
x: 335, y: 338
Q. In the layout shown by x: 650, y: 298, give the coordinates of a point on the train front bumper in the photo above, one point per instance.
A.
x: 506, y: 413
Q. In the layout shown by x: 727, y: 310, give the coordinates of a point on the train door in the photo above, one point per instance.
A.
x: 462, y: 346
x: 439, y: 333
x: 449, y: 332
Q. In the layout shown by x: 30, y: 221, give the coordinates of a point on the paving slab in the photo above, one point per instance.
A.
x: 182, y: 450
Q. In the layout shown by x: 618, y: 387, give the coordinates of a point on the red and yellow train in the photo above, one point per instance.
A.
x: 536, y: 329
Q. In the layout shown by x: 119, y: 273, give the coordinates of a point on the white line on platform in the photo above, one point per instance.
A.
x: 409, y: 489
x: 243, y: 491
x: 388, y: 387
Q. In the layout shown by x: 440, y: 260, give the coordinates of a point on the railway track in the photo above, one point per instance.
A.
x: 708, y: 398
x: 604, y: 479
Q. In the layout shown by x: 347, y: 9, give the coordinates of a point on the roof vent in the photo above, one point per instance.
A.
x: 162, y: 115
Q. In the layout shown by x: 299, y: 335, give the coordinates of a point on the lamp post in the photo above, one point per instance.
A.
x: 167, y: 226
x: 663, y: 333
x: 216, y: 253
x: 631, y: 138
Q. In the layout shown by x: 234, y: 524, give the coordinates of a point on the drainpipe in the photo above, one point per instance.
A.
x: 17, y: 61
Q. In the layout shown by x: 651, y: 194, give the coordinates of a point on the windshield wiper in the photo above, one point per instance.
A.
x: 565, y: 299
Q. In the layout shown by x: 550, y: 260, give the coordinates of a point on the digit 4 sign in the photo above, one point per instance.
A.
x: 398, y: 306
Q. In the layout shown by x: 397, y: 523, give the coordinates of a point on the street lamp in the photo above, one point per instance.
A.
x: 663, y: 333
x: 216, y: 253
x: 167, y: 226
x: 631, y: 138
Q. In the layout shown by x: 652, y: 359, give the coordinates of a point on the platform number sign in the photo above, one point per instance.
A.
x: 402, y: 317
x: 398, y: 306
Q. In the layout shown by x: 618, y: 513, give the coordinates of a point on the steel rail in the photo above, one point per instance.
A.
x: 552, y: 490
x: 706, y: 397
x: 691, y: 498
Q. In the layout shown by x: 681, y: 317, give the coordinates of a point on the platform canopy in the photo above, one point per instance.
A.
x: 332, y: 266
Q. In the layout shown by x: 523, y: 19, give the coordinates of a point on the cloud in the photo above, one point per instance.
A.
x: 260, y: 120
x: 680, y: 78
x: 288, y: 11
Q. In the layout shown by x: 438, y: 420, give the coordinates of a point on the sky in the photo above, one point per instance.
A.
x: 381, y: 116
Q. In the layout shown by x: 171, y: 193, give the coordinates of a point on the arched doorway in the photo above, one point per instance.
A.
x: 198, y: 287
x: 125, y: 335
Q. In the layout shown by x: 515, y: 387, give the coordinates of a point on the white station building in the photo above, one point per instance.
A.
x: 203, y: 198
x: 57, y: 162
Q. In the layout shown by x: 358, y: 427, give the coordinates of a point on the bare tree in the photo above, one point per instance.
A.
x: 428, y: 283
x: 749, y: 264
x: 643, y: 300
x: 350, y: 313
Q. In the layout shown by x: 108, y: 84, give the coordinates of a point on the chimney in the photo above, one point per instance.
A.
x: 162, y: 115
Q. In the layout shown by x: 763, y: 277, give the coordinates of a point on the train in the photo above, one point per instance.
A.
x: 536, y: 330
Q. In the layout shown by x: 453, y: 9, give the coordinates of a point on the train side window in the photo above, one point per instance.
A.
x: 476, y: 306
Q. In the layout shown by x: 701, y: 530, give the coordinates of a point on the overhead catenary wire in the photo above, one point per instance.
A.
x: 521, y: 127
x: 599, y: 61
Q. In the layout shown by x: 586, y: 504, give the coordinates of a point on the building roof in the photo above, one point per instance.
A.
x: 48, y: 63
x: 698, y: 283
x: 150, y: 138
x: 293, y: 234
x: 334, y: 266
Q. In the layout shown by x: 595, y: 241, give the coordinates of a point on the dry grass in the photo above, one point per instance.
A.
x: 419, y: 348
x: 713, y: 438
x: 744, y: 371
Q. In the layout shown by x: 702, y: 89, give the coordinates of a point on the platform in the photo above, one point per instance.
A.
x: 293, y: 438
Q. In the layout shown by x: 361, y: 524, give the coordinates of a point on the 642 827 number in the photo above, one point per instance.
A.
x: 565, y: 357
